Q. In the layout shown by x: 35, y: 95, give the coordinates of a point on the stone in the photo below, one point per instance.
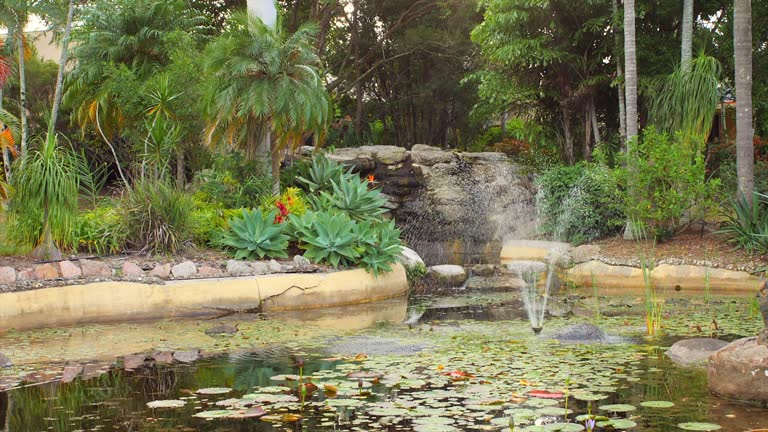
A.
x: 92, y: 268
x: 46, y: 272
x: 185, y: 270
x: 694, y: 352
x: 260, y: 268
x: 302, y: 263
x: 740, y: 371
x: 559, y: 257
x: 209, y: 272
x: 131, y: 362
x: 525, y: 268
x: 584, y: 253
x: 275, y: 267
x: 560, y: 308
x: 27, y: 275
x: 95, y: 370
x: 428, y: 155
x: 606, y: 276
x: 485, y: 157
x: 484, y: 270
x: 7, y: 275
x: 162, y: 271
x: 238, y: 268
x: 71, y: 372
x: 186, y: 356
x: 5, y: 361
x: 409, y: 258
x: 449, y: 275
x: 163, y: 357
x: 690, y: 278
x: 361, y: 158
x: 132, y: 270
x: 388, y: 155
x: 69, y: 270
x: 495, y: 283
x: 580, y: 333
x: 222, y: 330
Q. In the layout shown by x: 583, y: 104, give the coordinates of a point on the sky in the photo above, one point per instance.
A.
x: 35, y: 24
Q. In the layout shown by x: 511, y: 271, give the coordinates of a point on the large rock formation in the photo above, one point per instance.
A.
x: 453, y: 207
x: 694, y: 352
x: 740, y: 371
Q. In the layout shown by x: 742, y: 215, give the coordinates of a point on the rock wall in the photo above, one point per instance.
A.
x: 453, y: 207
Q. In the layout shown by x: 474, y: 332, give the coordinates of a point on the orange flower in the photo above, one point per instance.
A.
x: 371, y: 178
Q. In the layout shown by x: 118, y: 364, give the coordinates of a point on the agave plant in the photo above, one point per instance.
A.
x: 381, y: 244
x: 256, y: 235
x: 327, y: 237
x: 746, y: 226
x: 351, y: 194
x: 322, y: 173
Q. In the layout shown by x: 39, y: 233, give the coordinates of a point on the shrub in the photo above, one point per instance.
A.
x: 156, y: 216
x: 666, y: 184
x: 256, y: 235
x: 322, y: 173
x: 593, y: 208
x: 233, y: 182
x: 746, y: 226
x: 100, y: 230
x: 380, y: 245
x: 209, y: 223
x: 554, y: 187
x: 352, y: 196
x: 327, y: 237
x: 290, y: 202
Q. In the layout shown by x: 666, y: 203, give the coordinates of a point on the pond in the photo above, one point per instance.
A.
x: 463, y: 363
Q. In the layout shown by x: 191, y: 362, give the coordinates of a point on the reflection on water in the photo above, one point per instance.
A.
x: 355, y: 317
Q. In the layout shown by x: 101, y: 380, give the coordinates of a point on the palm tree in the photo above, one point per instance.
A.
x: 630, y: 65
x: 742, y: 43
x: 62, y: 66
x: 620, y: 80
x: 686, y: 50
x: 264, y: 81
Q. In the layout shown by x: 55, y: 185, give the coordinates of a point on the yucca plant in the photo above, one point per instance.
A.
x: 746, y: 225
x: 47, y: 184
x: 330, y: 238
x: 256, y: 235
x: 322, y: 173
x: 381, y: 246
x: 351, y: 194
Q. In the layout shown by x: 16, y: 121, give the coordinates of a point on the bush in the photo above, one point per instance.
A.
x: 380, y: 244
x: 352, y: 196
x: 209, y: 223
x: 290, y: 202
x: 322, y: 173
x: 666, y: 185
x: 156, y: 216
x: 100, y: 230
x: 255, y: 234
x: 554, y: 186
x: 746, y: 226
x: 233, y: 183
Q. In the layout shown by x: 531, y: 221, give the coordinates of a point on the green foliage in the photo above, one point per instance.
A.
x: 100, y: 230
x: 380, y: 244
x: 746, y: 224
x: 593, y: 209
x: 156, y: 216
x: 256, y: 235
x: 415, y: 274
x: 554, y: 186
x: 209, y: 222
x: 668, y: 184
x: 233, y: 182
x: 352, y: 196
x: 327, y: 237
x: 322, y: 173
x: 47, y: 184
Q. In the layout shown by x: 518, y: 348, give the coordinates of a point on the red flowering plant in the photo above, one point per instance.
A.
x: 290, y: 202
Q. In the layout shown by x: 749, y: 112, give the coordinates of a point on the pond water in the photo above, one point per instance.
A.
x: 461, y: 363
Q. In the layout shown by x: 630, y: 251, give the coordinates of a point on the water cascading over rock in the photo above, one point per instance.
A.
x: 452, y: 207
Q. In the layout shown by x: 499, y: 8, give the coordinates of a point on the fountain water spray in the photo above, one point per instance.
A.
x: 534, y: 299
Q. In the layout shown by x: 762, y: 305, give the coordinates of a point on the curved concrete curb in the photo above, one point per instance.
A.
x: 115, y: 301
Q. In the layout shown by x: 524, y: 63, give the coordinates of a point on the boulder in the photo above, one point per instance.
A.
x: 92, y: 268
x: 131, y: 362
x: 5, y: 361
x: 584, y: 253
x: 691, y: 278
x: 185, y: 270
x: 222, y: 330
x: 409, y: 258
x: 694, y: 352
x: 524, y: 268
x: 275, y: 267
x: 484, y: 270
x: 7, y: 275
x: 301, y: 263
x: 428, y: 155
x: 162, y: 271
x: 361, y: 159
x: 260, y: 268
x: 580, y: 333
x: 495, y: 283
x: 132, y: 270
x: 448, y: 275
x: 238, y: 268
x: 71, y: 372
x: 27, y: 275
x: 209, y: 272
x: 485, y: 157
x: 163, y: 357
x: 388, y: 155
x: 559, y: 257
x: 560, y: 308
x: 46, y: 272
x: 186, y: 356
x: 69, y: 270
x: 740, y: 371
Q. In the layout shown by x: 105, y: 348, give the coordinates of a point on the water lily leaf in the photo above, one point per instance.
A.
x: 618, y: 424
x: 618, y: 408
x: 166, y: 404
x: 253, y: 412
x: 696, y: 426
x: 564, y: 427
x: 214, y: 391
x: 544, y: 394
x: 214, y: 414
x: 281, y: 418
x: 657, y: 404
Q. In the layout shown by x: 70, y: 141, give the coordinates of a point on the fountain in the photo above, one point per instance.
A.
x: 535, y: 299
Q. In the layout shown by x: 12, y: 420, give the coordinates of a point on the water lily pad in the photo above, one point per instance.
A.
x: 618, y: 408
x: 585, y: 417
x: 657, y: 404
x: 166, y: 404
x: 696, y: 426
x: 564, y: 427
x: 214, y: 391
x: 213, y: 414
x: 618, y: 424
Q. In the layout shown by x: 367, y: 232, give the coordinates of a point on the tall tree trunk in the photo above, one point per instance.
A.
x: 568, y: 135
x: 742, y: 42
x: 22, y: 95
x: 595, y: 125
x: 620, y: 86
x: 686, y: 51
x: 587, y: 150
x: 47, y: 249
x: 355, y: 39
x: 630, y: 59
x: 276, y: 158
x: 62, y: 66
x: 180, y: 169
